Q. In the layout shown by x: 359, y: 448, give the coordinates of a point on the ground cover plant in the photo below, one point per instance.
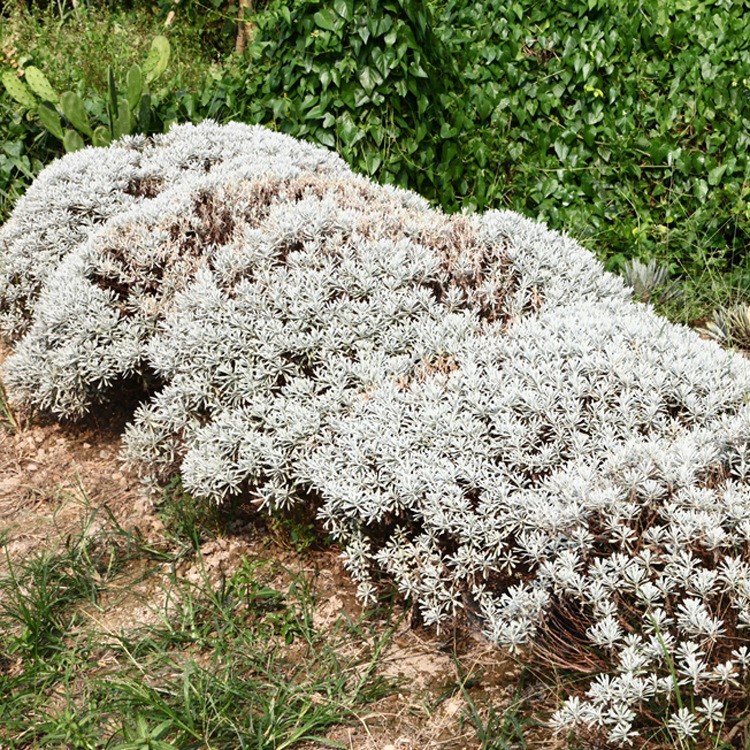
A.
x: 470, y: 405
x: 622, y: 159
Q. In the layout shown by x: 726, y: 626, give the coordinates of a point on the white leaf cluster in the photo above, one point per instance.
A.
x: 473, y: 406
x: 79, y: 194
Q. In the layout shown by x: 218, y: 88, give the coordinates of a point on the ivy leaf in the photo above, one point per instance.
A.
x: 715, y: 174
x: 325, y: 19
x: 372, y: 161
x: 366, y: 78
x: 344, y: 8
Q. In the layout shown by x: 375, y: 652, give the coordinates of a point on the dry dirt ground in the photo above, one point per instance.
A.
x: 52, y: 475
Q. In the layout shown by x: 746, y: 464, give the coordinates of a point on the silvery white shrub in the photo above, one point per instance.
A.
x: 475, y: 409
x: 80, y: 193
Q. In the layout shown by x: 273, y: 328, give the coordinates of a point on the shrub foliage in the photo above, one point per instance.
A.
x: 625, y: 122
x: 473, y: 407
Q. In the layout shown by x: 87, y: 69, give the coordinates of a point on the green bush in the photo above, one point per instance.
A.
x: 626, y: 123
x: 369, y: 79
x: 19, y: 163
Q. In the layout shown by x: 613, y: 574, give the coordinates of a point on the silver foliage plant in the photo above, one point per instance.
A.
x: 476, y: 409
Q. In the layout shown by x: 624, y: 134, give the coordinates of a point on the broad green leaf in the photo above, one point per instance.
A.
x: 325, y: 19
x: 112, y: 103
x: 157, y: 60
x: 715, y: 175
x: 18, y: 90
x: 74, y: 111
x: 134, y: 83
x: 122, y: 124
x: 367, y: 80
x: 325, y: 137
x: 344, y: 8
x: 72, y: 141
x: 49, y: 117
x: 144, y: 116
x: 372, y: 162
x: 39, y: 84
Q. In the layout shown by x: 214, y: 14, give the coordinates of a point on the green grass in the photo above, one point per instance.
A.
x: 223, y: 660
x: 496, y: 729
x: 241, y: 665
x: 42, y: 593
x: 233, y: 662
x: 187, y: 522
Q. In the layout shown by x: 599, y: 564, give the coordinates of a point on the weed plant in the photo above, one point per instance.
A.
x: 731, y: 326
x: 77, y: 52
x: 496, y: 729
x: 8, y: 418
